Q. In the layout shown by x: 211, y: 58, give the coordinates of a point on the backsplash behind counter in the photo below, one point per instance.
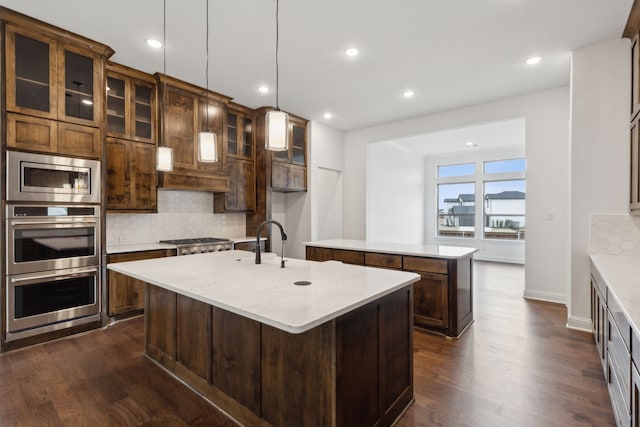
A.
x: 181, y: 214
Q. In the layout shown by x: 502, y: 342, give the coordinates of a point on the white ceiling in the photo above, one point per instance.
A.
x: 452, y: 53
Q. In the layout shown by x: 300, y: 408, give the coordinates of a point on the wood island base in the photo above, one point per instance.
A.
x: 354, y: 370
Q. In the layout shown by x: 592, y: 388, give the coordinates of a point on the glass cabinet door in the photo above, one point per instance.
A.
x: 247, y: 137
x: 232, y: 133
x: 78, y: 86
x: 30, y: 76
x: 116, y: 110
x: 142, y: 111
x: 299, y: 145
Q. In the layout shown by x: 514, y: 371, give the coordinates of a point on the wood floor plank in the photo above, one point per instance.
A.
x: 517, y: 365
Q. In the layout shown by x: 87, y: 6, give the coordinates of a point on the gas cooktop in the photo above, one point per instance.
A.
x: 200, y: 245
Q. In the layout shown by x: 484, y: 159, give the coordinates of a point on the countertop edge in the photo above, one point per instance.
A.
x: 393, y: 248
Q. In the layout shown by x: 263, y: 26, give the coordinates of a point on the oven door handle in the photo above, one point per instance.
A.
x: 54, y: 223
x: 56, y: 276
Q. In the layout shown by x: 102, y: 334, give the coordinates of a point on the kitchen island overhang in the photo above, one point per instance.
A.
x: 269, y: 352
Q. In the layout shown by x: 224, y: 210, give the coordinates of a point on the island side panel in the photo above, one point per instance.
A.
x: 236, y: 357
x: 464, y: 294
x: 160, y: 325
x: 193, y: 338
x: 298, y: 376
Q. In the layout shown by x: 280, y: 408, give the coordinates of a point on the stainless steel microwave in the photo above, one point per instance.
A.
x: 46, y: 178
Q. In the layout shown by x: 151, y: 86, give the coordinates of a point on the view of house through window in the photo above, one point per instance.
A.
x: 502, y: 200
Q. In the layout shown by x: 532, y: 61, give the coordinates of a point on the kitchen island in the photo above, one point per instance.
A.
x: 443, y: 297
x: 333, y: 350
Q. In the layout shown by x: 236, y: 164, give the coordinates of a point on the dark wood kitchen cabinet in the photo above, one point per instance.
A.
x: 131, y: 176
x: 240, y: 135
x: 57, y: 77
x: 289, y: 168
x: 442, y: 298
x: 126, y: 294
x: 131, y: 104
x: 241, y: 196
x: 183, y: 113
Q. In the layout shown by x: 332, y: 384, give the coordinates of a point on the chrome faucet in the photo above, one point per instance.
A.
x: 282, y: 234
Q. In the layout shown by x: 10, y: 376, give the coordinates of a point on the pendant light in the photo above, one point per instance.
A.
x: 207, y: 141
x: 164, y: 155
x: 277, y: 122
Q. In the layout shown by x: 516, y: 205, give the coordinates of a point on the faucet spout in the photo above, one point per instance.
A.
x: 283, y: 236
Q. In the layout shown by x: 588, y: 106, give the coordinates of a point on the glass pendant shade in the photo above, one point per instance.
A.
x: 164, y: 159
x: 277, y: 138
x: 207, y: 149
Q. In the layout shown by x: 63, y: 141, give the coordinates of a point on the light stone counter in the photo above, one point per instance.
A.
x: 266, y: 293
x: 621, y: 274
x: 435, y: 251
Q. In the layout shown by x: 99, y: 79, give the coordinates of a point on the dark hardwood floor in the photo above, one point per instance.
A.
x: 516, y: 366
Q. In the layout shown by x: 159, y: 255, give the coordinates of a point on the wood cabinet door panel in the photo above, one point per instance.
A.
x: 77, y: 140
x: 319, y: 254
x: 32, y: 133
x: 279, y: 175
x: 126, y: 294
x: 236, y: 357
x: 179, y: 125
x: 349, y: 257
x: 144, y: 177
x: 297, y: 178
x: 160, y: 320
x: 118, y: 170
x: 391, y: 261
x: 429, y: 265
x: 357, y: 370
x: 431, y: 300
x: 193, y: 338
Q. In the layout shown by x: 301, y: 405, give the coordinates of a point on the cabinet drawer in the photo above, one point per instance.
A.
x: 619, y: 359
x: 319, y: 254
x: 620, y: 320
x: 617, y: 394
x: 383, y: 260
x: 430, y: 265
x: 349, y: 257
x: 137, y: 256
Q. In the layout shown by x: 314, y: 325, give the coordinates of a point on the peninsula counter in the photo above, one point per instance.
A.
x: 336, y: 352
x: 443, y: 297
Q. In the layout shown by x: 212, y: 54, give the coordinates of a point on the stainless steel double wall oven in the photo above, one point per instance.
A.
x: 52, y: 248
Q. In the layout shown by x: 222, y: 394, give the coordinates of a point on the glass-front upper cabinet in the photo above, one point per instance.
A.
x: 50, y: 79
x: 30, y: 73
x: 240, y: 132
x: 131, y: 104
x: 298, y: 144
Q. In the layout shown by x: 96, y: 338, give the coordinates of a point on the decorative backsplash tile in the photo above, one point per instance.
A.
x: 615, y: 234
x: 181, y: 214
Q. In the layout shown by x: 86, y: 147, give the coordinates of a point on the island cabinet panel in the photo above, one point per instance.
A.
x: 358, y: 381
x: 160, y: 325
x: 297, y: 376
x: 431, y: 306
x: 355, y: 370
x: 194, y: 343
x: 319, y: 254
x: 374, y: 259
x: 349, y: 257
x: 236, y: 357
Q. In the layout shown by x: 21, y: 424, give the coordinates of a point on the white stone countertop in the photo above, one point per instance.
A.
x: 621, y: 274
x: 150, y: 246
x: 435, y: 251
x: 266, y: 293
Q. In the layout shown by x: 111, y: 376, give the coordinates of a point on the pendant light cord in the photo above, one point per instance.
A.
x: 277, y: 67
x: 207, y: 64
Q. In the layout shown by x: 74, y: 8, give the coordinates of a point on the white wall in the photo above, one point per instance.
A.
x: 317, y: 213
x: 547, y: 135
x: 395, y: 194
x: 600, y: 81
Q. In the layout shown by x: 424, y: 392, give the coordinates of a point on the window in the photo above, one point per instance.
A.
x: 504, y: 209
x: 456, y: 210
x: 498, y: 187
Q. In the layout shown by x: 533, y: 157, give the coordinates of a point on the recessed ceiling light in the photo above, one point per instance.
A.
x: 328, y: 115
x: 352, y: 51
x: 533, y: 60
x: 263, y: 89
x: 408, y: 94
x: 471, y: 144
x: 154, y: 43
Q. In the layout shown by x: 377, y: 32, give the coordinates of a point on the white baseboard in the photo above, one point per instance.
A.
x: 545, y: 296
x: 498, y: 259
x: 579, y: 323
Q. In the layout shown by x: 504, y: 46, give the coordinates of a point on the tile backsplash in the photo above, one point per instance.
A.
x: 615, y: 234
x: 181, y: 214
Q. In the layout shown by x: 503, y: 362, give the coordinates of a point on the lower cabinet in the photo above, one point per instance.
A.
x: 635, y: 396
x: 443, y: 297
x: 248, y: 246
x: 598, y: 316
x: 126, y: 294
